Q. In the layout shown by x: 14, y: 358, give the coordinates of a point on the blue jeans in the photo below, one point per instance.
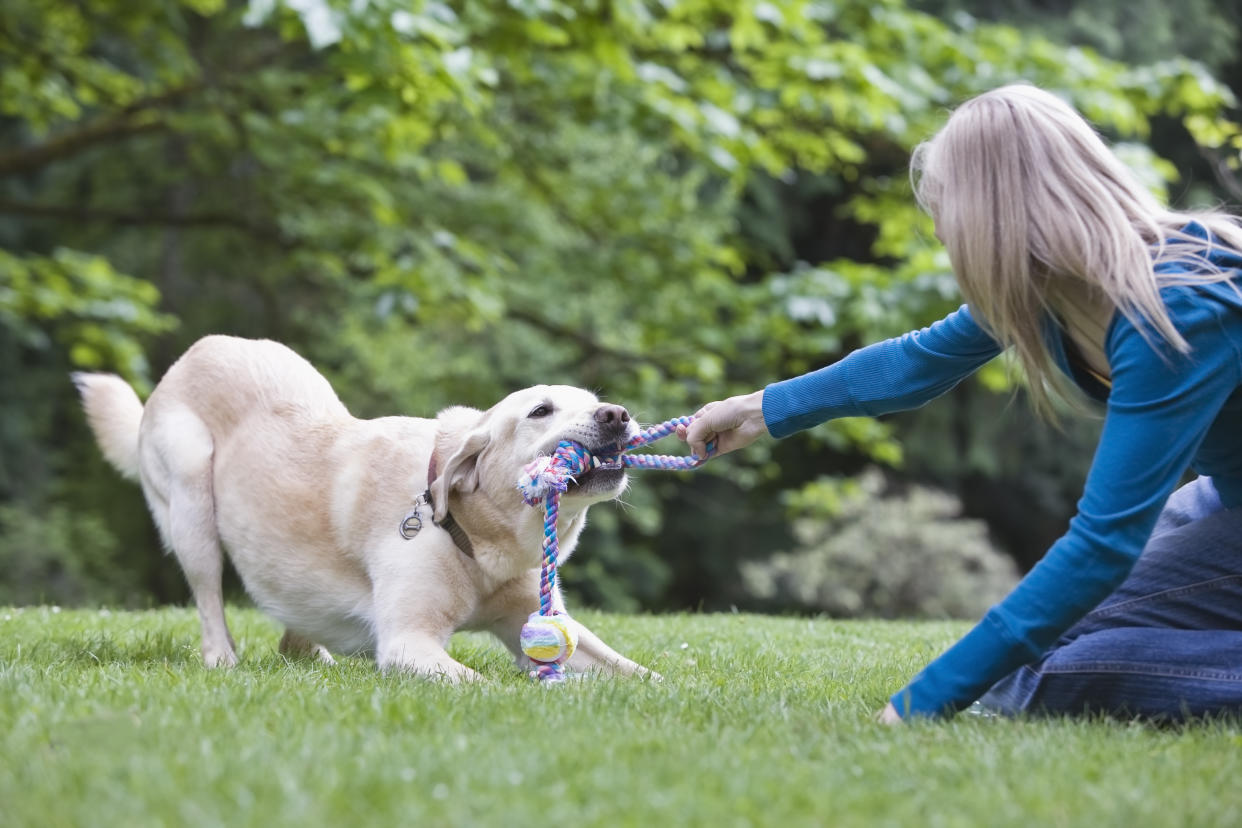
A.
x: 1167, y: 644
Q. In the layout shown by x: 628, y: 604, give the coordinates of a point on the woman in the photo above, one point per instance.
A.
x: 1063, y: 257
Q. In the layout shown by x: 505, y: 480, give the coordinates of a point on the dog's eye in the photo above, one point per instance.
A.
x: 541, y: 410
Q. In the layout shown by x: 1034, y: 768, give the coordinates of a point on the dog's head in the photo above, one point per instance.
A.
x: 488, y: 450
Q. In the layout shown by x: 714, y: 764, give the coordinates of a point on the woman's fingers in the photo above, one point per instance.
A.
x: 729, y: 424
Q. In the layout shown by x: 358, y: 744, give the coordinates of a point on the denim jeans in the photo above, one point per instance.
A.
x: 1167, y: 643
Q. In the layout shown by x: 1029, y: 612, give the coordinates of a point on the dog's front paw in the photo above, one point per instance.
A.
x: 426, y: 663
x: 214, y: 657
x: 453, y: 673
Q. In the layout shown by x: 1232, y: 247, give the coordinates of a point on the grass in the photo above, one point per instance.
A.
x: 109, y: 719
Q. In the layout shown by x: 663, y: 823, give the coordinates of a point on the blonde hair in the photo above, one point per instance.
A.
x: 1037, y: 212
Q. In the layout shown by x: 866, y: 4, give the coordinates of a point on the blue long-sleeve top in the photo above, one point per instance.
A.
x: 1166, y: 412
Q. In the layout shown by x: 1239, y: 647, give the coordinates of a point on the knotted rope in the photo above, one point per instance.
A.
x: 549, y: 636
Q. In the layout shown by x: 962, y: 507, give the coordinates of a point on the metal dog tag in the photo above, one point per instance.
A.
x: 411, y: 524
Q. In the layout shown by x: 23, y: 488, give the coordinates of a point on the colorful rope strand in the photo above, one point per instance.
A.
x: 662, y: 461
x: 549, y: 637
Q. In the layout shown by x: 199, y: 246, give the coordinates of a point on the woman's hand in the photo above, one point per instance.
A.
x: 888, y: 715
x: 731, y: 424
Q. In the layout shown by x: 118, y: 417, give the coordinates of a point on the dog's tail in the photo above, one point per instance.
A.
x: 114, y: 413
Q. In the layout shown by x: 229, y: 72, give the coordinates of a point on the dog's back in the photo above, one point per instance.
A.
x: 221, y: 379
x: 225, y: 379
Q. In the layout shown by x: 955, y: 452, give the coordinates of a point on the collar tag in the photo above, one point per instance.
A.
x: 412, y: 523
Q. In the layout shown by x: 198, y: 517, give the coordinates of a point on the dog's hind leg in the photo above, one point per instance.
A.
x: 177, y: 476
x: 293, y: 645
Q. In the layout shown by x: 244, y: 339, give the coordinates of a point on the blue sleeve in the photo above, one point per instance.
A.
x: 893, y: 375
x: 1159, y: 409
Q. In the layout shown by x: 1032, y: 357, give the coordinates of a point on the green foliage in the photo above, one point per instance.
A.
x: 107, y: 718
x: 881, y: 554
x: 440, y: 202
x: 1147, y: 34
x: 59, y: 557
x: 79, y: 303
x: 1135, y: 31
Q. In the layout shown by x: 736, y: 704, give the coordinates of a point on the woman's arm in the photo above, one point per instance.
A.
x: 892, y: 375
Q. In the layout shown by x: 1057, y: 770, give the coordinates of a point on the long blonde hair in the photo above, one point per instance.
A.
x: 1036, y: 211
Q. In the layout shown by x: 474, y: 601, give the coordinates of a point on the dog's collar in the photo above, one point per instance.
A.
x: 412, y: 523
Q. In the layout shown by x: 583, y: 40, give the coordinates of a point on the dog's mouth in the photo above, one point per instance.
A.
x: 605, y: 475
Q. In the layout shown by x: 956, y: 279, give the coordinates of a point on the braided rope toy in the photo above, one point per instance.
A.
x: 549, y: 637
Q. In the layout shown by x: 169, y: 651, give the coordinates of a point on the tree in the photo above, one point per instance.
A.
x: 440, y: 202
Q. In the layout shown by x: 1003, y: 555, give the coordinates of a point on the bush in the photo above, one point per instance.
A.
x: 886, y: 555
x: 59, y: 556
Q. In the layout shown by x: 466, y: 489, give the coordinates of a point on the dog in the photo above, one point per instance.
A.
x: 381, y: 536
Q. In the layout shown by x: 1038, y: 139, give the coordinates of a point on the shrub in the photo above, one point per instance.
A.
x: 886, y: 555
x: 60, y: 556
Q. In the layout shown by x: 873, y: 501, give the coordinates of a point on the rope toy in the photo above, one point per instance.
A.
x: 549, y: 636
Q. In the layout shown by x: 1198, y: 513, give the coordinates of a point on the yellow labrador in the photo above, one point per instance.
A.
x: 382, y: 535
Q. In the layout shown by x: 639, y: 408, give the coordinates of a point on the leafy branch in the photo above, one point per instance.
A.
x: 133, y: 218
x: 139, y: 117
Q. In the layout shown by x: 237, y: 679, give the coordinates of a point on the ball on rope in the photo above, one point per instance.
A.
x: 549, y: 639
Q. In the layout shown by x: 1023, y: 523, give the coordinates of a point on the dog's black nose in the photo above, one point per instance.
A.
x: 611, y: 415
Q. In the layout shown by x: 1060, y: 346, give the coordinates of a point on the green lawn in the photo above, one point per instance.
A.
x: 109, y: 719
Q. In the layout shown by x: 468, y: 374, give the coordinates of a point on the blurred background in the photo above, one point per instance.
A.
x: 665, y: 202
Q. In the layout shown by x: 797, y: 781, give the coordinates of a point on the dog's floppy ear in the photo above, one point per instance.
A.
x: 455, y: 465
